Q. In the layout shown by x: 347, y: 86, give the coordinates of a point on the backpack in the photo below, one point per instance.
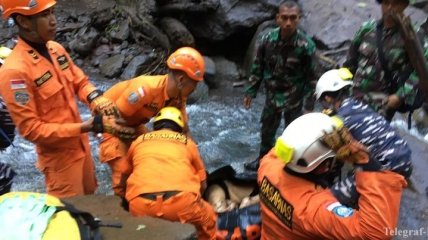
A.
x: 39, y: 216
x: 7, y: 128
x: 6, y: 176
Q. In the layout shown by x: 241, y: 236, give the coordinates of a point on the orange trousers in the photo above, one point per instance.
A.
x: 75, y: 179
x: 184, y: 207
x: 118, y: 178
x: 113, y: 152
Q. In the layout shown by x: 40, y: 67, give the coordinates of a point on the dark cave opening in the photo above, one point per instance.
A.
x: 233, y: 48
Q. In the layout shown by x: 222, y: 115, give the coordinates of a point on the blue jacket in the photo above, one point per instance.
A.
x: 374, y: 132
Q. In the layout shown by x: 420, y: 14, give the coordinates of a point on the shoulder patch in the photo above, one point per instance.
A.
x: 342, y: 211
x: 63, y: 62
x: 17, y: 84
x: 44, y: 78
x: 133, y: 98
x: 22, y: 97
x: 272, y: 198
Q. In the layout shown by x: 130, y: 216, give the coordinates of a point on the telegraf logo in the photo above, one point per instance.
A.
x: 405, y: 233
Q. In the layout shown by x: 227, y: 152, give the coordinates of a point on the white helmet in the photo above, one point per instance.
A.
x: 300, y: 146
x: 333, y: 80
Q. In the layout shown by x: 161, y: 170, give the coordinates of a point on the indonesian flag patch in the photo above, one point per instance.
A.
x: 17, y: 84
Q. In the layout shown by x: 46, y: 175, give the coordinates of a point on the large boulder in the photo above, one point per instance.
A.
x: 334, y: 22
x: 228, y: 17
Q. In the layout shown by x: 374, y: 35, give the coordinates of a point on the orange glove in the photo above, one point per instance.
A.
x: 110, y: 124
x: 105, y: 106
x: 345, y: 146
x: 102, y: 105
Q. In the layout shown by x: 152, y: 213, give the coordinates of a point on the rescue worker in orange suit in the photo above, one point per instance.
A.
x: 141, y: 98
x: 39, y: 83
x: 167, y: 175
x: 296, y: 202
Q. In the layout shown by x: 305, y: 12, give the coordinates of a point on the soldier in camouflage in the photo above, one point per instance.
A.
x: 387, y: 85
x: 285, y: 62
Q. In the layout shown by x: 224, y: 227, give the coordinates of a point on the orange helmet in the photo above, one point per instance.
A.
x: 190, y: 61
x: 24, y: 7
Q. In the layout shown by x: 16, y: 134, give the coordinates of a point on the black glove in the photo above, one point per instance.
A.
x: 110, y: 124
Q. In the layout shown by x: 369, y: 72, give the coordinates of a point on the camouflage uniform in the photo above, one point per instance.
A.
x: 369, y: 76
x: 288, y: 72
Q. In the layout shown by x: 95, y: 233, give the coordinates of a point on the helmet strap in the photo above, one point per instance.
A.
x: 319, y: 180
x: 177, y: 100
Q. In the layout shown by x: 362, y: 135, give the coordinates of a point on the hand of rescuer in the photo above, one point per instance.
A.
x: 247, y: 102
x: 109, y: 124
x: 346, y: 147
x: 102, y: 105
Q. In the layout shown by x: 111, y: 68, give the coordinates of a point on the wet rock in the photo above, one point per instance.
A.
x: 201, y: 92
x: 100, y: 54
x: 228, y: 74
x: 121, y: 32
x: 178, y: 6
x: 112, y: 66
x: 84, y: 41
x: 210, y: 71
x: 7, y: 33
x: 420, y: 118
x: 136, y: 66
x: 177, y: 33
x: 101, y: 18
x: 334, y: 22
x: 414, y: 202
x: 231, y: 16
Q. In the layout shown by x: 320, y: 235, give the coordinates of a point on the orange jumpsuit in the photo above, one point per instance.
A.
x: 162, y: 161
x: 40, y: 96
x: 294, y: 208
x: 137, y: 100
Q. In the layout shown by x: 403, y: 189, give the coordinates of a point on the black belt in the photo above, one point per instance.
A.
x: 165, y: 195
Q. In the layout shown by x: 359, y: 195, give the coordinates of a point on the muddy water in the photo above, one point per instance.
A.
x: 226, y: 133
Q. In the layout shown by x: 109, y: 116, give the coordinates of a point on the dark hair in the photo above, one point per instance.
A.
x: 165, y: 123
x: 339, y: 94
x: 290, y: 4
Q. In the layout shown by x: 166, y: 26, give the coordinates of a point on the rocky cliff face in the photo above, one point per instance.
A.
x: 125, y: 38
